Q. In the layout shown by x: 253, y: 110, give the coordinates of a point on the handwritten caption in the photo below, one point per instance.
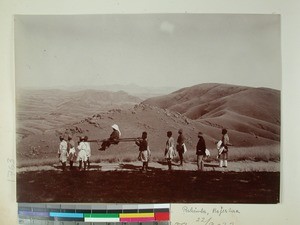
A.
x: 11, y: 173
x: 213, y: 216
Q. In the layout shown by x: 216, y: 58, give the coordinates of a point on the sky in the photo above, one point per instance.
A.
x: 150, y: 50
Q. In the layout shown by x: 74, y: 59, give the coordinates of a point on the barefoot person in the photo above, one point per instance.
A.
x: 82, y: 157
x: 71, y: 151
x: 170, y: 149
x: 88, y: 150
x: 200, y: 151
x: 180, y: 146
x: 62, y: 152
x: 223, y: 155
x: 113, y: 139
x: 144, y: 150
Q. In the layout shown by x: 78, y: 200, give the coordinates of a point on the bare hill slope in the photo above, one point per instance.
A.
x: 244, y: 109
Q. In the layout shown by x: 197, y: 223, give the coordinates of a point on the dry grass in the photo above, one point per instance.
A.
x: 259, y: 153
x: 254, y: 154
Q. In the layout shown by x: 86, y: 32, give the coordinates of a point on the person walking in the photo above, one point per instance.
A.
x: 144, y: 150
x: 180, y: 146
x: 72, y: 156
x: 200, y: 151
x: 62, y: 152
x: 88, y: 151
x: 223, y: 154
x: 82, y: 156
x: 170, y: 149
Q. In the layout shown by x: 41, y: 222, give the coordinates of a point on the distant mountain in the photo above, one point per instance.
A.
x: 142, y: 92
x: 245, y: 109
x: 41, y: 110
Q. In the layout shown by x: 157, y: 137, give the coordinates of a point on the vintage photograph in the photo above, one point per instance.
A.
x: 148, y: 108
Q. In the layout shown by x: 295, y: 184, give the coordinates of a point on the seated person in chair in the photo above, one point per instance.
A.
x: 113, y: 139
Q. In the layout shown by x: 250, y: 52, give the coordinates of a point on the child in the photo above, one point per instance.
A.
x: 71, y: 151
x: 144, y: 151
x: 62, y: 152
x: 82, y: 157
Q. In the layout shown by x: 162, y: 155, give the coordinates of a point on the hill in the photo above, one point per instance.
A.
x: 251, y: 115
x: 254, y: 111
x: 40, y: 110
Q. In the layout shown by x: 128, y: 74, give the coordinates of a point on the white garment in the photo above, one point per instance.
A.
x: 220, y: 148
x: 72, y: 154
x: 88, y: 149
x: 170, y: 148
x: 207, y: 152
x: 63, y: 151
x: 144, y: 155
x: 82, y: 156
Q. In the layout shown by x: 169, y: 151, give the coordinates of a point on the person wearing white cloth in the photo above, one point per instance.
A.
x: 223, y: 151
x: 88, y: 150
x: 62, y: 152
x: 71, y: 151
x: 170, y: 149
x: 82, y: 156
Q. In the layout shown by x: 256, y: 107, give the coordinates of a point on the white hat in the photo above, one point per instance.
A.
x: 116, y: 127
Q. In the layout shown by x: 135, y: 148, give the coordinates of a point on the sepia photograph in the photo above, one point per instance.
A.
x: 148, y: 108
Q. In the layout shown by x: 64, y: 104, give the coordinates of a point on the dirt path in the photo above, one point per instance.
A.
x: 241, y: 166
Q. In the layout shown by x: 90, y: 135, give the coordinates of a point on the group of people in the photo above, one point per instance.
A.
x: 180, y: 147
x: 67, y: 151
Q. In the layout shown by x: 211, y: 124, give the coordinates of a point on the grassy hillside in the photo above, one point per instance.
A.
x: 248, y: 110
x: 251, y: 115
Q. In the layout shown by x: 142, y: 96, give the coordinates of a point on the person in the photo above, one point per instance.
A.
x: 180, y: 146
x: 200, y: 151
x: 170, y: 149
x: 223, y: 153
x: 113, y: 139
x: 144, y: 151
x: 82, y: 156
x: 62, y: 152
x: 88, y: 150
x: 71, y: 151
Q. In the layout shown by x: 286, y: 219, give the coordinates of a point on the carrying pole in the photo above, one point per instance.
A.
x: 120, y: 140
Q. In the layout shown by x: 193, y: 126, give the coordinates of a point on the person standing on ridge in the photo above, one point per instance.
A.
x: 200, y: 151
x: 144, y: 150
x: 180, y: 146
x: 62, y: 152
x: 224, y: 154
x: 170, y: 149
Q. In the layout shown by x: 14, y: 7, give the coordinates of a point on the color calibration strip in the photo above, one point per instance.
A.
x: 158, y: 214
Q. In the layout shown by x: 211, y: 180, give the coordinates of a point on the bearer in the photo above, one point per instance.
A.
x: 62, y: 152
